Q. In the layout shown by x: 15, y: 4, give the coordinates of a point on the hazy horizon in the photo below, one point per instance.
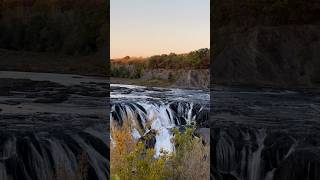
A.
x: 143, y: 28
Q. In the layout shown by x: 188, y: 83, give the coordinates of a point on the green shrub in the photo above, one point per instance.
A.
x: 131, y: 160
x: 199, y: 59
x: 191, y: 159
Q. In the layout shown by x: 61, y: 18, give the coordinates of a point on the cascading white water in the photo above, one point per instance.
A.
x: 225, y: 153
x: 54, y: 125
x: 3, y: 172
x: 36, y: 157
x: 245, y: 163
x: 270, y: 174
x: 254, y: 168
x: 162, y: 117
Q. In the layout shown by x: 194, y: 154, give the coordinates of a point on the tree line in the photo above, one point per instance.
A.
x: 264, y: 12
x: 60, y: 26
x: 132, y: 67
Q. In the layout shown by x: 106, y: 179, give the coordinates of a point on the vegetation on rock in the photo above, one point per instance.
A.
x: 131, y: 160
x: 133, y: 67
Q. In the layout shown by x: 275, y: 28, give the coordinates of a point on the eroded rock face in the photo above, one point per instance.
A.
x: 204, y: 133
x: 149, y: 139
x: 267, y: 55
x: 193, y: 79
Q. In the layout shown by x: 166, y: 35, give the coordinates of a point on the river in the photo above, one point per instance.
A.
x: 48, y: 122
x: 162, y: 108
x: 265, y: 133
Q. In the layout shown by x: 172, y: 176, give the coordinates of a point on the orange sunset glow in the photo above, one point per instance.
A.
x: 145, y: 28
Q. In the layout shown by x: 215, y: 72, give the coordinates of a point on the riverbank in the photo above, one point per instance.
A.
x: 170, y: 78
x: 90, y: 65
x: 187, y: 71
x: 140, y: 82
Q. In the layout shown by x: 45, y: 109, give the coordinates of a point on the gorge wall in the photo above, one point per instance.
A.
x: 258, y: 42
x: 258, y: 132
x: 286, y: 55
x: 191, y: 79
x: 177, y: 78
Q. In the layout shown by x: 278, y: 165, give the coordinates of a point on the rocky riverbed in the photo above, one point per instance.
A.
x: 48, y: 121
x: 265, y: 133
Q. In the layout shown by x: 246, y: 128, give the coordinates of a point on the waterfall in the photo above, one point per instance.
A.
x: 259, y: 154
x: 254, y: 168
x: 270, y: 174
x: 3, y: 173
x: 40, y: 156
x: 239, y: 154
x: 160, y: 116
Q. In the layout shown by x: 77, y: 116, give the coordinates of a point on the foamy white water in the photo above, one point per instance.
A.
x: 159, y: 109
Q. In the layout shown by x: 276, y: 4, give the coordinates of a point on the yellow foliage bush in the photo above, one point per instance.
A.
x: 191, y: 159
x: 130, y: 160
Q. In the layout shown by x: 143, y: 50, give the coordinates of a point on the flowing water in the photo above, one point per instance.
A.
x: 265, y: 134
x: 47, y: 121
x: 53, y: 124
x: 159, y: 109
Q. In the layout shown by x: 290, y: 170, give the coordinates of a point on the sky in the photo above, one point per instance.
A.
x: 151, y: 27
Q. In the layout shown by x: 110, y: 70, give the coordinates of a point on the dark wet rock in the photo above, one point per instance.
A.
x: 227, y: 177
x: 121, y: 90
x: 77, y: 77
x: 204, y: 133
x: 274, y: 133
x: 182, y: 129
x: 5, y: 92
x: 156, y: 89
x: 301, y: 164
x: 149, y: 139
x: 11, y: 102
x: 36, y: 132
x: 140, y: 90
x: 53, y: 99
x: 26, y: 85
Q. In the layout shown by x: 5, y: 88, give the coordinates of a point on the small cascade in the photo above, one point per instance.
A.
x: 3, y: 172
x: 43, y: 157
x: 264, y: 133
x: 159, y: 116
x: 239, y: 154
x: 270, y: 175
x: 254, y: 168
x: 249, y: 154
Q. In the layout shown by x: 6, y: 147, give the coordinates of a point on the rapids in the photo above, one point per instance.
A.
x: 265, y: 134
x: 158, y: 109
x: 50, y: 124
